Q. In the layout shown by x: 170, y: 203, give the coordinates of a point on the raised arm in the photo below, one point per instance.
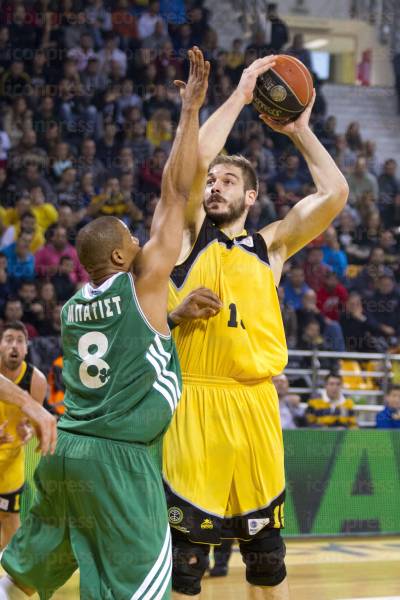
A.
x: 314, y: 213
x: 214, y: 133
x: 158, y: 257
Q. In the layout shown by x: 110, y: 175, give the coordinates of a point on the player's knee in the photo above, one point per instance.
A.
x: 264, y: 558
x: 190, y: 562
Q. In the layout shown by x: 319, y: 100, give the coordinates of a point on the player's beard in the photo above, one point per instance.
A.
x: 233, y: 212
x: 12, y: 363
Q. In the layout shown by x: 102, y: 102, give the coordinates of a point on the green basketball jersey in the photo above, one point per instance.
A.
x: 122, y: 377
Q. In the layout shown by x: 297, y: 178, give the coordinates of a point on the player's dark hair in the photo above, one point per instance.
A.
x: 16, y: 326
x: 96, y: 241
x: 237, y: 160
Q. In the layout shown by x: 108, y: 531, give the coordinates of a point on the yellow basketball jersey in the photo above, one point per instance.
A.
x: 11, y: 413
x: 246, y: 340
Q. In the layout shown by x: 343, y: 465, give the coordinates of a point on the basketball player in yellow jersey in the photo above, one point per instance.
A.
x: 223, y: 454
x: 43, y: 422
x: 16, y: 429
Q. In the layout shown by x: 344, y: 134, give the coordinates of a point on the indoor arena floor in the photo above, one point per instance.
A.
x: 332, y: 569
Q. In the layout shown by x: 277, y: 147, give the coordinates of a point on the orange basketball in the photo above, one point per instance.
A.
x: 284, y: 91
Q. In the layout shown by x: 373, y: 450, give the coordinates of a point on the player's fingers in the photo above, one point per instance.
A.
x: 48, y: 433
x: 202, y: 63
x: 260, y: 62
x: 268, y: 121
x: 273, y: 123
x: 198, y: 62
x: 312, y: 101
x: 28, y: 433
x: 193, y: 63
x: 206, y: 313
x: 190, y: 57
x: 38, y: 432
x: 201, y: 66
x: 209, y: 297
x: 203, y: 288
x: 263, y: 68
x: 44, y: 440
x: 53, y: 438
x: 198, y: 54
x: 207, y: 303
x: 207, y: 67
x: 206, y: 293
x: 179, y: 84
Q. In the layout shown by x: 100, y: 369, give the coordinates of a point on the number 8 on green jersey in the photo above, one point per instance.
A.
x: 122, y: 377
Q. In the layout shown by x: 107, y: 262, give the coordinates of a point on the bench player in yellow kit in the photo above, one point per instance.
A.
x: 223, y: 453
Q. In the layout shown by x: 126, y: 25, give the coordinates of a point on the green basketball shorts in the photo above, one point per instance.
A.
x: 32, y: 459
x: 99, y: 507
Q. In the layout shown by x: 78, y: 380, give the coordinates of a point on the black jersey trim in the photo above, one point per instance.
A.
x: 254, y: 253
x: 26, y: 381
x: 182, y: 271
x: 261, y: 249
x: 209, y: 234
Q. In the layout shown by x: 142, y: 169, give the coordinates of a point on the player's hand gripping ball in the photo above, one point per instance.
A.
x: 284, y: 91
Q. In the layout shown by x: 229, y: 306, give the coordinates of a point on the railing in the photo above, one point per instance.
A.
x: 367, y: 401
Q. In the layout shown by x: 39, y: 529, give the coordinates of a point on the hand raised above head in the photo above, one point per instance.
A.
x: 193, y: 92
x: 249, y: 76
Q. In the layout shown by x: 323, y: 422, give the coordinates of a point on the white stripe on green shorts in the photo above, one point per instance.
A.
x: 154, y: 576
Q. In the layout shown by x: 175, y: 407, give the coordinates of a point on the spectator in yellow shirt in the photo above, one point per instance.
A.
x: 235, y: 57
x: 113, y: 202
x: 160, y: 129
x: 331, y: 408
x: 28, y: 224
x: 12, y: 216
x: 46, y: 214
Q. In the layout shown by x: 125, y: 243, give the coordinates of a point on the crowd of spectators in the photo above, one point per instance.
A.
x: 87, y: 118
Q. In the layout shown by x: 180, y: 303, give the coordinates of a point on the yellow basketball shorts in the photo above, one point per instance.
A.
x: 223, y: 460
x: 12, y: 475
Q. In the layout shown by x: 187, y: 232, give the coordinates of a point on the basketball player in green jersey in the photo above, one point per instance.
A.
x: 100, y: 503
